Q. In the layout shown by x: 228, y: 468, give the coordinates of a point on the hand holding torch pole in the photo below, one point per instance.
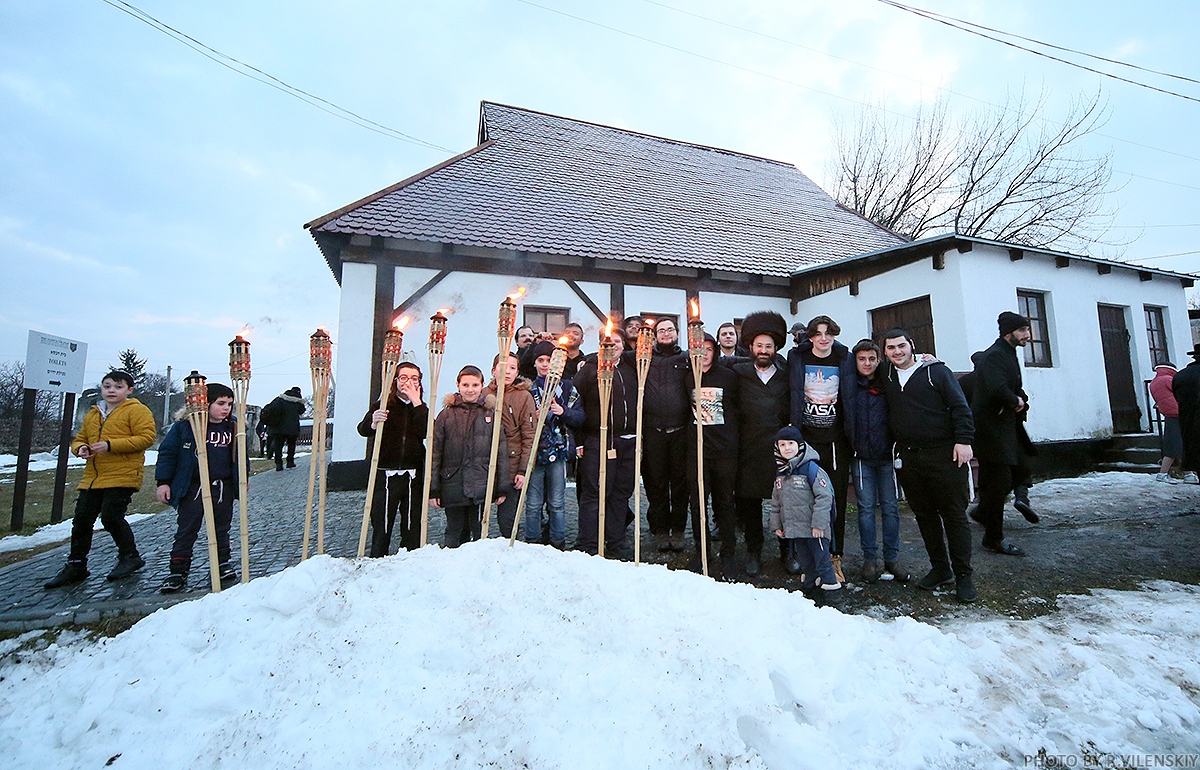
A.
x: 393, y: 344
x: 195, y: 392
x: 606, y: 364
x: 645, y: 350
x: 320, y: 355
x: 437, y: 348
x: 558, y: 363
x: 695, y: 332
x: 504, y: 336
x: 239, y: 376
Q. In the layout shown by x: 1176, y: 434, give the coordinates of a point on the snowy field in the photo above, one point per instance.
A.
x: 48, y: 461
x: 528, y: 657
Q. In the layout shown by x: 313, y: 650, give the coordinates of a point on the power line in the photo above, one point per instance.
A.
x: 1043, y: 43
x: 942, y: 89
x: 945, y: 20
x: 1165, y: 256
x: 260, y: 76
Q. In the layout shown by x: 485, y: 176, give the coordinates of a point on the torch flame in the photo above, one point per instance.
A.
x: 608, y: 328
x: 516, y: 295
x: 244, y: 333
x: 563, y: 340
x: 695, y: 308
x: 444, y: 310
x: 401, y: 323
x: 649, y: 322
x: 322, y: 329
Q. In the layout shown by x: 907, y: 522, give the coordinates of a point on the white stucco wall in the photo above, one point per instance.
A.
x: 352, y: 342
x: 1069, y: 399
x: 718, y: 307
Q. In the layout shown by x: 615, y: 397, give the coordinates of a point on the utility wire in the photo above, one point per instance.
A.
x: 258, y: 75
x: 1166, y: 256
x: 909, y: 78
x: 1041, y: 42
x: 1010, y: 44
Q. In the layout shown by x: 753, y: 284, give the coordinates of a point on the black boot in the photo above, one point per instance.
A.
x: 752, y: 568
x: 127, y: 564
x: 1021, y: 503
x: 73, y: 572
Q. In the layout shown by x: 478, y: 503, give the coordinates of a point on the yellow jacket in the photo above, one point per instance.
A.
x: 129, y: 431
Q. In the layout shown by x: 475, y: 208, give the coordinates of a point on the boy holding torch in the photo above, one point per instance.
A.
x: 547, y: 485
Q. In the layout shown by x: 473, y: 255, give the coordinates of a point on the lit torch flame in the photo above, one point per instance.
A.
x: 695, y: 308
x: 608, y: 328
x: 563, y: 340
x: 401, y: 323
x: 445, y: 311
x: 244, y: 333
x: 516, y: 295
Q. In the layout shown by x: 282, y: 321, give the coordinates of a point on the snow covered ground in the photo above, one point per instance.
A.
x: 528, y: 657
x: 55, y: 533
x: 48, y: 461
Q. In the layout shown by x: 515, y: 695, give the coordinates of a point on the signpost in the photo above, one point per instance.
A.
x: 55, y: 364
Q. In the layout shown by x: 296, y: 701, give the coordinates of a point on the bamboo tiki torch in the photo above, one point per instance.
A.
x: 504, y: 335
x: 606, y: 364
x: 645, y: 350
x: 695, y: 333
x: 239, y: 376
x: 558, y: 363
x: 393, y: 344
x: 195, y: 392
x: 437, y: 348
x: 319, y: 354
x: 324, y: 350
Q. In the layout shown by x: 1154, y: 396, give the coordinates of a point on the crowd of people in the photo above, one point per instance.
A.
x: 784, y: 436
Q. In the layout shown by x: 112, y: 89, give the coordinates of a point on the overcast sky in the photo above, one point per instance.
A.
x: 154, y: 199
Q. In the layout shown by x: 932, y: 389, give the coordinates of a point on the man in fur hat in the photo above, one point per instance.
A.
x: 1186, y: 386
x: 764, y: 406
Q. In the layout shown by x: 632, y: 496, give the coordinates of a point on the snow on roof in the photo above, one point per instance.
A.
x: 547, y: 184
x: 526, y: 657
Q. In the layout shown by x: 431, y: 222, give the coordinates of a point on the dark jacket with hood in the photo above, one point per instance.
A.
x: 762, y: 410
x: 999, y: 430
x: 462, y: 444
x: 798, y: 506
x: 558, y: 433
x: 867, y: 422
x: 179, y: 466
x: 282, y: 415
x: 839, y: 356
x: 622, y: 418
x: 404, y: 431
x: 930, y: 411
x: 666, y: 404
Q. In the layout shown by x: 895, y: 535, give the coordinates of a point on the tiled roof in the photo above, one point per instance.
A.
x: 546, y: 184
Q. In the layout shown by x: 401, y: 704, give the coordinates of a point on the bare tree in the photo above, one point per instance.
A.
x: 12, y: 394
x: 1004, y: 173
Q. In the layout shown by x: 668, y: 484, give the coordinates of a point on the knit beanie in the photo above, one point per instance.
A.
x: 789, y: 433
x: 543, y: 348
x: 1010, y: 322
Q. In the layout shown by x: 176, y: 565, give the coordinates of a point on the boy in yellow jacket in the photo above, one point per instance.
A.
x: 114, y: 438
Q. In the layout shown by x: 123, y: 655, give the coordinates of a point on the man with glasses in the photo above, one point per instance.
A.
x: 666, y: 413
x: 400, y: 478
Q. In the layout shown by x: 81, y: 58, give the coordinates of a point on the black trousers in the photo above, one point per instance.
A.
x: 835, y: 458
x: 276, y: 449
x: 995, y: 482
x: 749, y: 513
x: 665, y: 475
x: 719, y: 472
x: 190, y: 518
x: 506, y: 512
x: 110, y: 506
x: 620, y: 482
x: 463, y: 523
x: 937, y: 493
x: 397, y: 494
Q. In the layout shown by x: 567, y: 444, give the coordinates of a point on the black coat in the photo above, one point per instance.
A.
x: 462, y: 444
x: 999, y: 433
x: 864, y: 406
x: 667, y: 404
x: 282, y: 416
x: 930, y: 411
x: 720, y: 439
x: 404, y: 430
x: 622, y: 408
x: 762, y: 410
x: 1186, y: 387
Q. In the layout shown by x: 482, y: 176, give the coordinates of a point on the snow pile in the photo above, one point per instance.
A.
x: 528, y: 657
x: 48, y: 461
x: 55, y: 533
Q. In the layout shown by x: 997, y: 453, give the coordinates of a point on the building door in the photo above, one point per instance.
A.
x: 915, y: 316
x: 1118, y: 370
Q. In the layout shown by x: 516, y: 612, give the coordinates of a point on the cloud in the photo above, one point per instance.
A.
x: 33, y: 251
x: 149, y: 319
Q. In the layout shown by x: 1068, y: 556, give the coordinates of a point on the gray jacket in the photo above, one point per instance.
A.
x: 797, y: 507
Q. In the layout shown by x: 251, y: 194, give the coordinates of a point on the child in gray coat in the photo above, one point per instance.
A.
x: 801, y: 513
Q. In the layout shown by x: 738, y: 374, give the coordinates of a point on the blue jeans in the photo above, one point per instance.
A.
x: 875, y: 485
x: 547, y: 485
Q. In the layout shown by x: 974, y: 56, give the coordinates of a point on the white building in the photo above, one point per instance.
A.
x: 593, y: 219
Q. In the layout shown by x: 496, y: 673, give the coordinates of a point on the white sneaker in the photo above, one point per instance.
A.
x: 1165, y: 477
x: 1191, y: 478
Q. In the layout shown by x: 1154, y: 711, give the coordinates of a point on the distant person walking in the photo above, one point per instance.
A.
x: 282, y: 418
x: 1164, y: 400
x: 1186, y: 387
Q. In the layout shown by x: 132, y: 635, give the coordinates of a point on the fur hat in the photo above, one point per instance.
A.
x: 1010, y: 322
x: 293, y: 392
x: 764, y: 322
